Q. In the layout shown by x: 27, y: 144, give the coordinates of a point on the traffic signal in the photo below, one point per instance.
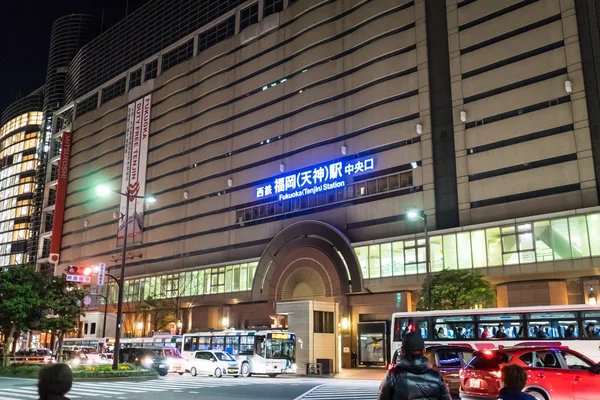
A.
x: 79, y: 274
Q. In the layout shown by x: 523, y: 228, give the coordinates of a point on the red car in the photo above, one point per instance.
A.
x: 553, y: 373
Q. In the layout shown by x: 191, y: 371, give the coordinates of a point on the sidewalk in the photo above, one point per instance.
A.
x: 375, y: 374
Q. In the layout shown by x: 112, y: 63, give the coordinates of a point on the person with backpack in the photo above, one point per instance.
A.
x: 412, y: 378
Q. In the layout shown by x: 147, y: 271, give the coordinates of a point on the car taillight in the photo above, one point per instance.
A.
x: 496, y: 374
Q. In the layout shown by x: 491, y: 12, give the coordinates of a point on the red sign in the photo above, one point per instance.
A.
x: 61, y: 196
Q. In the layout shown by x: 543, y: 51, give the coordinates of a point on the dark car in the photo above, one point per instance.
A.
x: 447, y: 360
x: 145, y: 358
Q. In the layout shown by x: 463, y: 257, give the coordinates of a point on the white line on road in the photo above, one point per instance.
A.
x: 309, y: 392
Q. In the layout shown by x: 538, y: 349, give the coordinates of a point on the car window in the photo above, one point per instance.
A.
x: 198, y: 355
x: 574, y: 361
x: 448, y: 358
x: 224, y: 357
x: 488, y: 360
x: 547, y: 359
x: 527, y: 358
x: 467, y: 356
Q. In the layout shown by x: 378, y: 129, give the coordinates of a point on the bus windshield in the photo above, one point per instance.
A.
x: 280, y: 349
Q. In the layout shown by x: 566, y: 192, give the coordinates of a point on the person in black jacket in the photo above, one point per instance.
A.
x: 54, y: 382
x: 514, y: 379
x: 412, y: 378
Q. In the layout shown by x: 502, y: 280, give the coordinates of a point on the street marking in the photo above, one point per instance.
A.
x: 309, y: 392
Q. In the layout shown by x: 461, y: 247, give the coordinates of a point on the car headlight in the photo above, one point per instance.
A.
x: 147, y: 362
x: 76, y: 361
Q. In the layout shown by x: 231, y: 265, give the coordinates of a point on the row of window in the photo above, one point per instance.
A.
x: 523, y: 243
x: 31, y: 118
x: 231, y: 278
x: 348, y: 192
x: 184, y: 52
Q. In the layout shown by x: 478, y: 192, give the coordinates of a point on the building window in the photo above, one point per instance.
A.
x: 216, y: 34
x: 114, y: 90
x: 151, y: 70
x: 178, y: 55
x: 85, y: 328
x: 87, y: 105
x: 323, y: 322
x: 272, y: 7
x: 93, y: 328
x: 249, y: 16
x: 135, y: 78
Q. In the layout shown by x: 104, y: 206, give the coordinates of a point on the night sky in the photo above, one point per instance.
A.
x: 25, y: 27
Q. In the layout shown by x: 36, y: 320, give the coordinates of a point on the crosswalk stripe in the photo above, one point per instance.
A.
x: 18, y: 392
x: 8, y: 398
x: 121, y: 388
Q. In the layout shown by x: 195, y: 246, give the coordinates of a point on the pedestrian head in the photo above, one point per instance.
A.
x: 513, y: 377
x: 571, y: 327
x: 54, y: 380
x: 412, y: 345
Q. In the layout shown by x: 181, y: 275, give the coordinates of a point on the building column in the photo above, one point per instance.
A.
x: 558, y: 293
x: 502, y: 296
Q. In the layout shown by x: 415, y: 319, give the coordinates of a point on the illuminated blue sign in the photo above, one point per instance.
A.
x: 315, y: 179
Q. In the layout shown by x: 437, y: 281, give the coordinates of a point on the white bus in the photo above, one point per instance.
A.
x: 269, y: 352
x: 574, y: 326
x: 79, y: 344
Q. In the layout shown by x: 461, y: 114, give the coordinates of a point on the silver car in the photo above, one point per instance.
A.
x: 213, y: 363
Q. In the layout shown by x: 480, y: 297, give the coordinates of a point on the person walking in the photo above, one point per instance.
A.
x: 54, y: 382
x: 412, y: 378
x: 513, y: 380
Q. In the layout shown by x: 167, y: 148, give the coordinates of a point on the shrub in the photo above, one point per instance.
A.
x: 20, y: 371
x: 87, y: 371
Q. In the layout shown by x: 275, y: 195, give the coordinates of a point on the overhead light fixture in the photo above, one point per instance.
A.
x: 186, y: 194
x: 86, y: 223
x: 592, y: 297
x: 414, y: 164
x: 230, y: 182
x: 463, y: 116
x: 344, y: 150
x: 419, y: 129
x: 281, y: 167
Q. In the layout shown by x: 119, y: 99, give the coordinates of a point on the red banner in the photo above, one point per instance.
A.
x: 61, y: 196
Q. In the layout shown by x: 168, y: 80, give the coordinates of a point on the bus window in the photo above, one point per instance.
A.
x: 246, y: 345
x: 554, y: 325
x: 204, y: 343
x: 500, y: 326
x: 232, y: 345
x: 218, y: 343
x: 194, y: 343
x: 591, y: 325
x: 460, y: 327
x: 401, y: 327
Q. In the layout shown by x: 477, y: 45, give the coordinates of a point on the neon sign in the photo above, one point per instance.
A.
x: 315, y: 179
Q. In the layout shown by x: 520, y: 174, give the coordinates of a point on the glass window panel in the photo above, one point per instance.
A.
x: 236, y: 278
x: 201, y: 289
x: 463, y: 240
x: 374, y: 262
x: 410, y: 257
x: 244, y: 277
x: 436, y: 254
x: 526, y: 257
x: 509, y: 243
x: 543, y: 240
x: 579, y: 237
x: 560, y: 239
x: 251, y: 271
x: 386, y: 259
x: 525, y: 241
x: 494, y: 247
x: 362, y: 253
x: 228, y: 278
x: 478, y: 249
x: 510, y: 258
x: 508, y: 229
x: 593, y: 221
x: 450, y: 260
x: 398, y: 256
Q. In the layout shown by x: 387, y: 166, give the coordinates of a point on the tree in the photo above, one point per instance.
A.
x: 457, y: 290
x: 157, y: 311
x: 22, y: 303
x: 177, y: 294
x: 64, y: 305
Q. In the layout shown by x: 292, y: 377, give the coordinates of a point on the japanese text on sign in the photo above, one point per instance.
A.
x: 314, y: 179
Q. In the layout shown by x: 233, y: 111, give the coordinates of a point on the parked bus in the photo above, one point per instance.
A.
x: 269, y: 352
x: 574, y: 326
x: 80, y: 344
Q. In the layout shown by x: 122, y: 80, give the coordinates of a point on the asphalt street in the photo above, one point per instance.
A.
x: 174, y: 387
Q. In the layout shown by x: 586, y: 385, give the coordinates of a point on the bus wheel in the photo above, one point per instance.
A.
x: 272, y: 375
x: 218, y: 373
x: 246, y: 370
x: 193, y: 371
x: 181, y: 373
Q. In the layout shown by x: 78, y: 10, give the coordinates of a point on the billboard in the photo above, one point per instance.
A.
x: 135, y: 158
x: 61, y: 196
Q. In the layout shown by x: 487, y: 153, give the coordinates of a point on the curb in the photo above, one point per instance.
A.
x: 117, y: 378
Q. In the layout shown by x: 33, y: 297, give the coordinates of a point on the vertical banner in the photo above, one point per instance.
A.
x: 61, y: 196
x: 134, y: 165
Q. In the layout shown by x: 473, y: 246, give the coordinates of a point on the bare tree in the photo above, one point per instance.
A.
x: 178, y: 292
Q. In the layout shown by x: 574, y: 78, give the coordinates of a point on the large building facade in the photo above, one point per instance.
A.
x: 286, y: 141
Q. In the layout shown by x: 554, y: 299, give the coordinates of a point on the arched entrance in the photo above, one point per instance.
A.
x: 306, y: 272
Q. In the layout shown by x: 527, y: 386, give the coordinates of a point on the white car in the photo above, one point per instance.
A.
x: 213, y: 363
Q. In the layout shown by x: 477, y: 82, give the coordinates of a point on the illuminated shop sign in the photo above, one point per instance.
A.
x: 282, y: 336
x: 315, y: 179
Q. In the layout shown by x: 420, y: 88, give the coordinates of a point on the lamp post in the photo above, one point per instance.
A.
x: 103, y: 190
x: 412, y: 215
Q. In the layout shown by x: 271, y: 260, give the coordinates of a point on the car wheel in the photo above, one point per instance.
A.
x: 246, y: 370
x: 272, y: 375
x: 193, y: 371
x: 537, y: 394
x: 163, y: 373
x: 181, y: 373
x: 236, y: 376
x: 218, y: 373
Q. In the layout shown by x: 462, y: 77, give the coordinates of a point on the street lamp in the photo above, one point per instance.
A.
x: 592, y: 297
x: 102, y: 191
x: 413, y: 214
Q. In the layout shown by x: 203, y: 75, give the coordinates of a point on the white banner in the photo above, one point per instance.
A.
x: 134, y: 165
